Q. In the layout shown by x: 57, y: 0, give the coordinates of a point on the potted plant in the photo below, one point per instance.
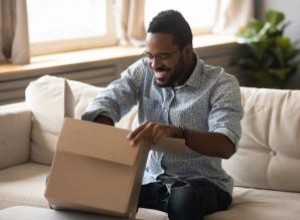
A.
x: 268, y: 56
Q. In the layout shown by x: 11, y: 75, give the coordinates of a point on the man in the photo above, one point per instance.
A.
x: 181, y: 97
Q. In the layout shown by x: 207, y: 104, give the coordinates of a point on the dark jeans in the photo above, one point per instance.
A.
x: 188, y: 200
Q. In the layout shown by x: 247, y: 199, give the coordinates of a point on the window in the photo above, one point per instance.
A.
x: 65, y: 25
x: 60, y: 25
x: 200, y: 14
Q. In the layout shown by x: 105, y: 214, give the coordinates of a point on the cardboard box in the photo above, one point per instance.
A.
x: 95, y: 169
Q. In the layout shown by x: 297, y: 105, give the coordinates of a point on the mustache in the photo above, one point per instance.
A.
x: 160, y: 69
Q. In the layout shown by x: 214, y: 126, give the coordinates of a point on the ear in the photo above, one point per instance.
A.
x: 187, y: 51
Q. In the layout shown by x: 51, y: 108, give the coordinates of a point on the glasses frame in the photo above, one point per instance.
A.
x: 159, y: 56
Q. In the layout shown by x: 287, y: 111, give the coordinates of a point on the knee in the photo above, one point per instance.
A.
x: 184, y: 202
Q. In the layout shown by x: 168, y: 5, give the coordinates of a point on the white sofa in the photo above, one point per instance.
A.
x: 266, y: 167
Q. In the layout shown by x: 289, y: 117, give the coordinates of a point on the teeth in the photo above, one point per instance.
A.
x: 159, y: 74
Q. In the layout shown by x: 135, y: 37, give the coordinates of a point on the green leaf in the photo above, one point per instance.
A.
x: 249, y: 64
x: 249, y: 33
x: 280, y: 73
x: 262, y: 78
x: 259, y: 49
x: 283, y: 42
x: 274, y: 17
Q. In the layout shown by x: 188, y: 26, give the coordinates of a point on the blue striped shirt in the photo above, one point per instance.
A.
x: 208, y: 102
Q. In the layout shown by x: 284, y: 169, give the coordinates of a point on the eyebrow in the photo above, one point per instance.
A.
x: 162, y: 53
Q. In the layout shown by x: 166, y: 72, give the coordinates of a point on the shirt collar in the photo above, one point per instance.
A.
x: 195, y: 77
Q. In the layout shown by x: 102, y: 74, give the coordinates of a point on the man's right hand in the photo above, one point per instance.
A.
x: 104, y: 120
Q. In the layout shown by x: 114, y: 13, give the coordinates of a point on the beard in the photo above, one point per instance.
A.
x: 161, y: 80
x: 175, y: 75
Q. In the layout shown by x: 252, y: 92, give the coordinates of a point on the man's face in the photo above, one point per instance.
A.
x: 165, y: 58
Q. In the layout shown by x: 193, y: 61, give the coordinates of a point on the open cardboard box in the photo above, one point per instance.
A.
x: 95, y: 169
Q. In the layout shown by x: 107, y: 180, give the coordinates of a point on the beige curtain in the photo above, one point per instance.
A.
x: 232, y: 14
x: 14, y: 39
x: 130, y: 22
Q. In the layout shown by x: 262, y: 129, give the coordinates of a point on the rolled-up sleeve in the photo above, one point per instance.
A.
x: 118, y: 97
x: 226, y: 109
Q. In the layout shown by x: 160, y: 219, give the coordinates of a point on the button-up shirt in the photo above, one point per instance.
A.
x: 209, y: 101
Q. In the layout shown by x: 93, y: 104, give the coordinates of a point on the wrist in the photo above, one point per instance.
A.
x: 104, y: 120
x: 183, y: 132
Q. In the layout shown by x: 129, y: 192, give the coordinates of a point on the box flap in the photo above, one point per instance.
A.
x: 69, y: 100
x: 170, y: 145
x: 97, y: 140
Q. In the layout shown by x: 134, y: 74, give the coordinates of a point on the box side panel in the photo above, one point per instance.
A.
x: 90, y: 182
x: 136, y: 188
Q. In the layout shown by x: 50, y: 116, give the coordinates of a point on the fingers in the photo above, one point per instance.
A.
x: 135, y: 132
x: 143, y: 132
x: 149, y: 131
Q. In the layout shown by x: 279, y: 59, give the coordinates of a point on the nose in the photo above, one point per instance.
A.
x: 155, y: 63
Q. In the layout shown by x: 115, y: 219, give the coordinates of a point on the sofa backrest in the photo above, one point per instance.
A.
x: 15, y: 125
x: 268, y: 156
x: 47, y: 100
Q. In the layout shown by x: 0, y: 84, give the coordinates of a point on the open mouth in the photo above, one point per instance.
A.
x: 160, y: 75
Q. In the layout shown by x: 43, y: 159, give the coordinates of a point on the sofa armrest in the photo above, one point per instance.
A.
x: 15, y: 128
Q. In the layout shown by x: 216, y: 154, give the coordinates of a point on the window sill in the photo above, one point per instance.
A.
x: 103, y: 56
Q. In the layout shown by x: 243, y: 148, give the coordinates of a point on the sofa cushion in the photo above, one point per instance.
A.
x: 256, y: 204
x: 46, y: 99
x: 23, y: 185
x: 269, y: 150
x: 15, y: 125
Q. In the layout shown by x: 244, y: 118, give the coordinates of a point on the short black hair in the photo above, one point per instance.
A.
x: 172, y: 22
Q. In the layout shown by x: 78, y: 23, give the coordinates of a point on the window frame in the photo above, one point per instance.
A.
x: 110, y: 39
x: 205, y: 29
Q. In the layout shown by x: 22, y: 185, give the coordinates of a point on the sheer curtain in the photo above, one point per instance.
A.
x: 14, y: 39
x: 232, y: 14
x: 130, y: 22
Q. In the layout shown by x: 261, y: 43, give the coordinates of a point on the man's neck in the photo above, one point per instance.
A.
x: 191, y: 63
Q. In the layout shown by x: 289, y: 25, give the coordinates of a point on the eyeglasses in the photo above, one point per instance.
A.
x: 159, y: 57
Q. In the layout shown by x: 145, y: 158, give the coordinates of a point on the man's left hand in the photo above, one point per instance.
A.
x: 152, y: 133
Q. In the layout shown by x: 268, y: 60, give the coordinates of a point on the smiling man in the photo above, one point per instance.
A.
x: 179, y: 96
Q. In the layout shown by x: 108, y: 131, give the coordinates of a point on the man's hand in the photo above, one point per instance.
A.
x: 152, y: 133
x: 207, y: 143
x: 104, y: 120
